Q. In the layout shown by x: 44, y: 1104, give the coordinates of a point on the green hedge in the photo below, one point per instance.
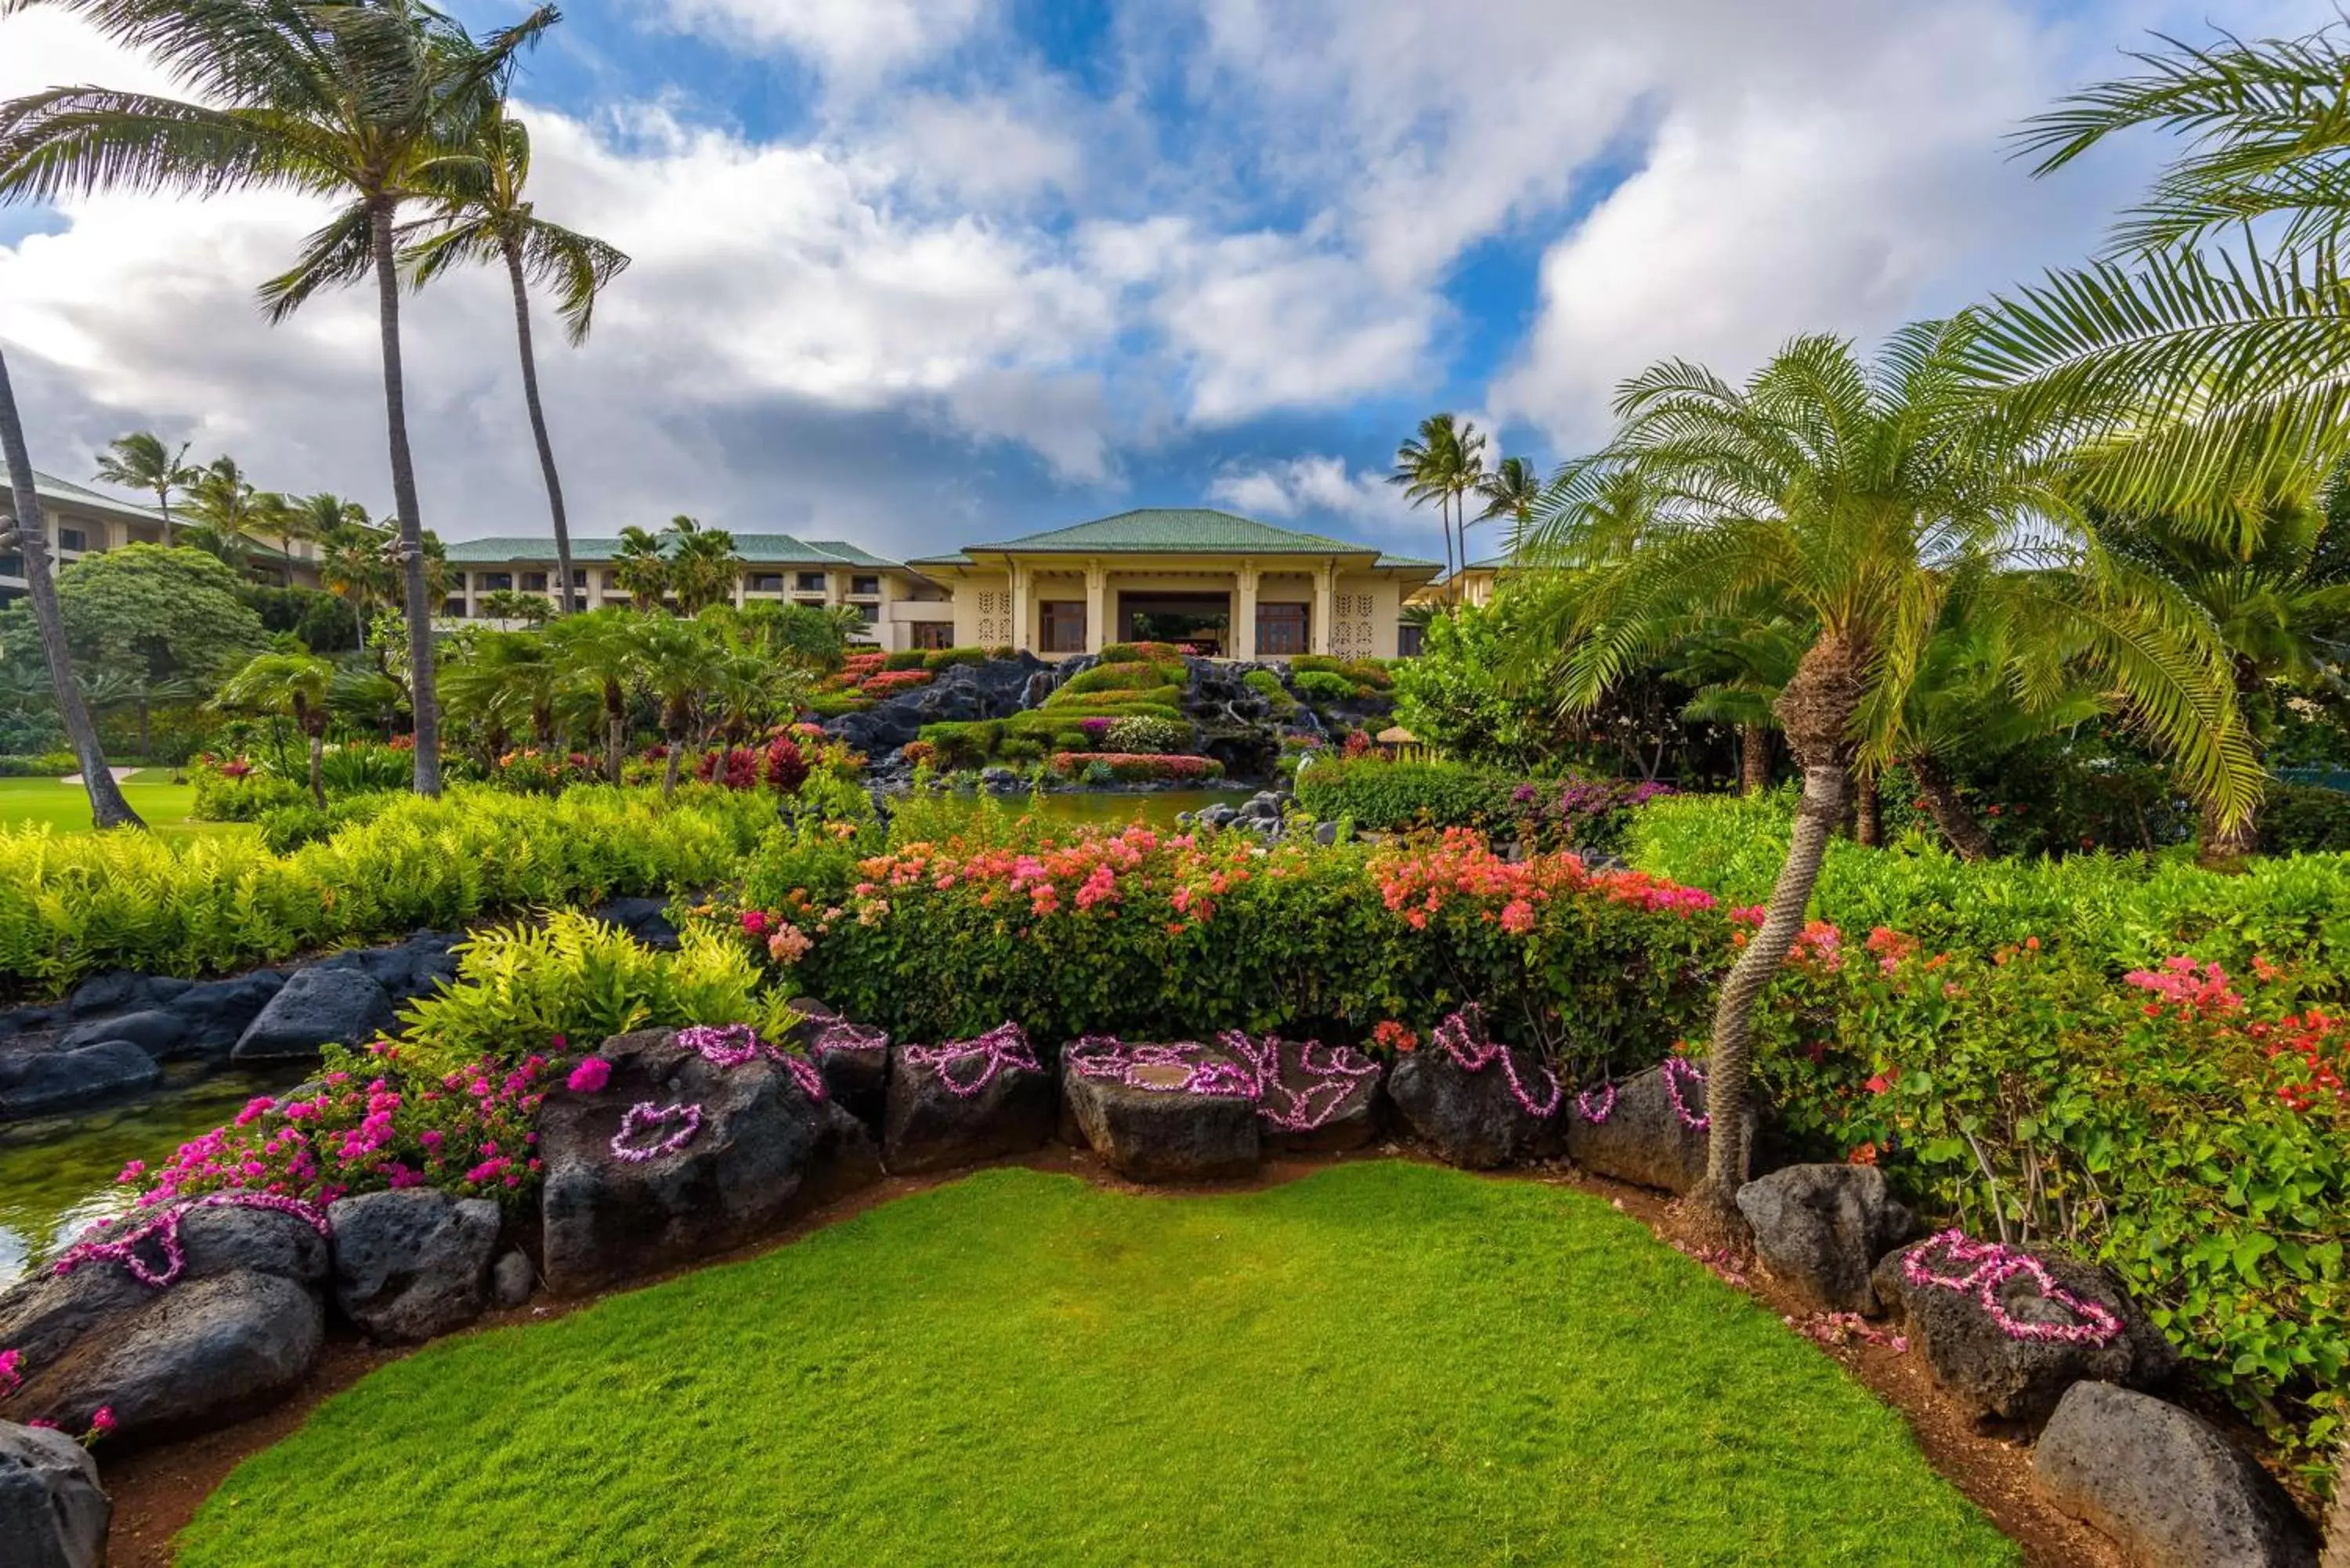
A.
x: 1325, y: 686
x: 46, y: 765
x: 71, y: 906
x: 1385, y: 796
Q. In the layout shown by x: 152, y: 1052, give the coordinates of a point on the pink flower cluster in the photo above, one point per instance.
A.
x: 1419, y: 880
x: 2196, y: 991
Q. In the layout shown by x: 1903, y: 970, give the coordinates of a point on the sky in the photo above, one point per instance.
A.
x: 920, y: 273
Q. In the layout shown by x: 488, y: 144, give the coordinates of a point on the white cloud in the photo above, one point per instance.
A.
x: 860, y: 40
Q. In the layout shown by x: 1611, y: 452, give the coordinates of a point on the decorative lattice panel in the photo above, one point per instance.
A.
x: 995, y: 620
x: 1352, y: 617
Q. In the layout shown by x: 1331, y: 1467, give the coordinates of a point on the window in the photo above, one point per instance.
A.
x: 612, y: 582
x: 811, y: 582
x: 496, y: 582
x: 579, y: 602
x: 1409, y: 638
x: 579, y: 577
x: 865, y: 587
x: 1280, y: 629
x: 809, y: 604
x: 11, y: 565
x: 933, y: 634
x: 1064, y: 626
x: 534, y: 582
x: 453, y: 609
x: 72, y: 539
x: 766, y: 582
x: 869, y: 613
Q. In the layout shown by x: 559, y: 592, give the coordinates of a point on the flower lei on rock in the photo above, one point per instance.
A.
x: 1989, y: 1265
x: 1203, y: 1072
x: 164, y: 1229
x: 1463, y: 1037
x: 1334, y: 1078
x: 1002, y: 1047
x: 1597, y: 1106
x: 1246, y: 1069
x: 643, y: 1118
x: 847, y: 1037
x: 1680, y: 1071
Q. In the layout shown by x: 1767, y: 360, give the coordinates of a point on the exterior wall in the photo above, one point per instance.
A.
x: 101, y: 531
x: 1368, y: 608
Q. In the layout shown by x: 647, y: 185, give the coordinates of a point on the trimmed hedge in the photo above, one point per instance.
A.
x: 1128, y: 768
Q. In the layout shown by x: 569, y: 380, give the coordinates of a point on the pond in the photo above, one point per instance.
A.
x: 57, y: 1175
x: 1111, y: 808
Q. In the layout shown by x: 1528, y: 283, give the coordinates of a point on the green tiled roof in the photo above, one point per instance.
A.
x: 755, y: 549
x: 65, y: 493
x: 1175, y: 530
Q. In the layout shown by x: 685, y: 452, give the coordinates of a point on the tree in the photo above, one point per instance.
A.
x: 223, y: 510
x: 1443, y: 462
x: 680, y: 659
x: 484, y: 217
x: 1739, y: 666
x: 295, y: 684
x: 278, y: 516
x: 703, y: 565
x: 159, y: 613
x: 639, y: 569
x: 803, y: 636
x: 354, y: 567
x: 1512, y: 491
x: 29, y: 535
x: 602, y: 648
x: 1863, y: 498
x: 359, y: 99
x: 141, y: 460
x: 511, y: 677
x: 514, y: 604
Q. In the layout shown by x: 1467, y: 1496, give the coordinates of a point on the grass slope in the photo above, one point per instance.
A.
x: 29, y: 803
x: 1382, y: 1364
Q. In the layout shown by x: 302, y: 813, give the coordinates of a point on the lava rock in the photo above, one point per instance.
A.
x: 1820, y: 1229
x: 1165, y: 1135
x: 1643, y: 1139
x: 413, y: 1264
x: 114, y: 991
x: 405, y: 970
x: 33, y: 1082
x: 228, y: 1238
x: 53, y: 1512
x: 1992, y: 1375
x: 511, y: 1279
x: 154, y: 1031
x: 315, y: 1008
x: 1472, y: 1119
x: 994, y: 689
x: 2165, y: 1484
x: 645, y: 919
x: 750, y: 1168
x: 926, y: 1126
x: 217, y: 1013
x: 1325, y: 834
x: 187, y: 1359
x: 1001, y: 781
x: 1352, y: 1122
x: 854, y: 1062
x: 46, y: 1313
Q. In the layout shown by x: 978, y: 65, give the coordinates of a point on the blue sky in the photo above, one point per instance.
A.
x: 922, y: 272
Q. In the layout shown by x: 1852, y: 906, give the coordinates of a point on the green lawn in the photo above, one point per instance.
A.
x: 23, y: 803
x: 1385, y: 1363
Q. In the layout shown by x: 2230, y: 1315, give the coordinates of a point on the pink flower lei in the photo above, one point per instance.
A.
x: 1463, y: 1037
x: 847, y: 1037
x: 1680, y: 1073
x: 643, y: 1118
x: 1990, y: 1264
x: 728, y: 1045
x: 164, y: 1229
x: 1332, y: 1077
x: 1003, y: 1046
x: 1203, y: 1073
x: 1596, y: 1106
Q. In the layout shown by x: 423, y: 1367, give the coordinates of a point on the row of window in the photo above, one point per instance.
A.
x: 1281, y: 628
x: 454, y: 608
x: 535, y: 582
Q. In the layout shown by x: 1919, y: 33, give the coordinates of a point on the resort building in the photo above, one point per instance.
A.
x: 82, y: 523
x: 1474, y: 583
x: 1227, y: 586
x: 900, y: 608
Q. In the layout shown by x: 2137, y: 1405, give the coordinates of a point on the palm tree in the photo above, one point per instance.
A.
x: 639, y: 569
x: 510, y: 676
x: 1511, y: 489
x: 602, y: 648
x: 681, y: 658
x: 141, y: 460
x: 295, y: 684
x: 1739, y: 665
x: 2192, y: 380
x: 703, y: 565
x: 486, y: 218
x: 1864, y: 498
x: 278, y: 516
x: 223, y: 510
x: 353, y: 566
x: 28, y: 536
x: 517, y: 604
x: 357, y: 99
x: 1442, y: 462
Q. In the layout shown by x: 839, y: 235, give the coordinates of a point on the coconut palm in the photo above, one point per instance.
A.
x: 1865, y: 498
x: 294, y: 684
x: 639, y: 569
x: 2192, y: 365
x: 703, y: 568
x: 361, y: 101
x: 517, y: 604
x: 141, y: 460
x: 276, y: 516
x: 1511, y: 489
x: 28, y: 536
x: 602, y: 648
x: 1443, y: 462
x: 223, y: 512
x: 484, y: 218
x: 354, y: 566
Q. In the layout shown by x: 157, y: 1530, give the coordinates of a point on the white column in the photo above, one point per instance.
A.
x: 1096, y: 582
x: 1244, y: 614
x: 1024, y: 629
x: 1320, y: 640
x: 833, y: 593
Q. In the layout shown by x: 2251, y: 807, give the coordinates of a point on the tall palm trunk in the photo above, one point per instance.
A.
x: 163, y: 505
x: 1867, y: 813
x: 1754, y: 758
x: 423, y: 701
x: 1967, y: 838
x: 538, y: 426
x: 106, y: 807
x: 1817, y: 711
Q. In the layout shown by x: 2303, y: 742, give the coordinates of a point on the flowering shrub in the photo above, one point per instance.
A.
x: 1127, y: 767
x: 1381, y: 795
x: 890, y: 682
x: 534, y: 772
x: 779, y: 765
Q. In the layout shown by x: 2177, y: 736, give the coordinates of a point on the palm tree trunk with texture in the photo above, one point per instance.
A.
x: 539, y: 427
x: 423, y: 701
x: 1967, y: 838
x: 106, y: 807
x: 1754, y: 758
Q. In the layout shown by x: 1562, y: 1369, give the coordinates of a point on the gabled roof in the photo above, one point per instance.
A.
x: 754, y: 549
x: 65, y: 493
x: 1173, y: 531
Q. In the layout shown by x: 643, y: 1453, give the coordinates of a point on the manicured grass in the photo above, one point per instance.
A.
x: 1382, y: 1364
x: 26, y: 802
